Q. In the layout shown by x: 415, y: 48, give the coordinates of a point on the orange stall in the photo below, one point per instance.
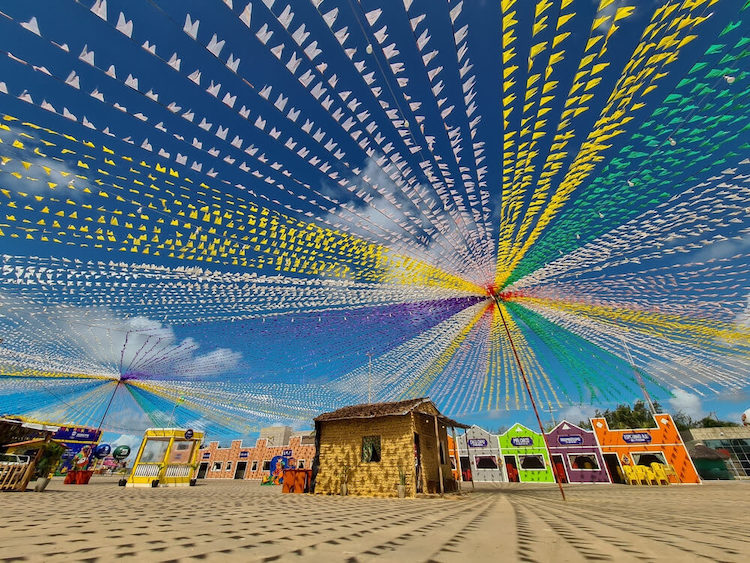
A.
x: 645, y: 456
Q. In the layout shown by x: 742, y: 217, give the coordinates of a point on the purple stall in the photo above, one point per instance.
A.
x: 575, y: 455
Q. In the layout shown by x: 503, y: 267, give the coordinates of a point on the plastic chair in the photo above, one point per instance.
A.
x: 646, y: 474
x: 661, y: 474
x: 671, y: 473
x: 630, y: 475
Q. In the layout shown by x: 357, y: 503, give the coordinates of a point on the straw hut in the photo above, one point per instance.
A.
x: 368, y: 448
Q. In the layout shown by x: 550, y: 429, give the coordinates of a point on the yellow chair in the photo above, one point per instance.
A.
x: 661, y: 474
x: 630, y: 475
x: 645, y: 475
x: 670, y: 471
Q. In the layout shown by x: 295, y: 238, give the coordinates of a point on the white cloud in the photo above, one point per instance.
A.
x: 687, y: 403
x: 131, y: 440
x: 577, y: 413
x: 60, y: 173
x: 140, y: 345
x: 431, y: 235
x: 97, y: 340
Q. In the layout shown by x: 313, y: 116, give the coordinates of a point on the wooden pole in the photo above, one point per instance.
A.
x: 458, y: 458
x: 471, y: 469
x: 437, y: 455
x: 528, y: 389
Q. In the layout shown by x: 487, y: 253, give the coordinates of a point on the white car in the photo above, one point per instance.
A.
x: 13, y: 459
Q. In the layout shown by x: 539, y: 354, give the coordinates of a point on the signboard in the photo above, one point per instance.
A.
x: 69, y: 454
x: 521, y: 441
x: 243, y: 455
x: 121, y: 452
x: 102, y: 450
x: 286, y: 453
x: 477, y: 442
x: 188, y: 433
x: 572, y: 440
x: 66, y: 433
x: 637, y: 437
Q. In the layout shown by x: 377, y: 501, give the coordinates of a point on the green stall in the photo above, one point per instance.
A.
x: 525, y: 456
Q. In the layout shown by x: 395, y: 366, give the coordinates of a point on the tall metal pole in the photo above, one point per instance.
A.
x: 526, y: 383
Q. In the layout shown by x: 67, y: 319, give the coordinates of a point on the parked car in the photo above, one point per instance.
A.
x: 14, y: 459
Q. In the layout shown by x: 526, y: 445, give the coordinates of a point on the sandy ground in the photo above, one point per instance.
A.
x: 241, y: 521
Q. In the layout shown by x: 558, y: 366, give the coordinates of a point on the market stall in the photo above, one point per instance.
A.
x: 645, y: 455
x: 575, y: 455
x: 167, y: 457
x: 525, y: 456
x: 479, y: 452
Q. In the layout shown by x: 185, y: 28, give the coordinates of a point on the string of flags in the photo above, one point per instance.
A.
x: 259, y: 210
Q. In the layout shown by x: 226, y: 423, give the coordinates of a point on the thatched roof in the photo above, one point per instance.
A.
x: 375, y: 410
x: 698, y: 450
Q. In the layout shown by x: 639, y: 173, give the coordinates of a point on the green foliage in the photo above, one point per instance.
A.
x: 51, y: 455
x: 638, y: 416
x: 685, y: 422
x: 625, y: 416
x: 401, y: 477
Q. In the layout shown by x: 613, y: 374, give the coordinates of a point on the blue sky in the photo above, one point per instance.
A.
x: 257, y: 207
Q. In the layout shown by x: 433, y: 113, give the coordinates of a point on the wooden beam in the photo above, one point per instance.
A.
x: 437, y: 455
x: 458, y: 458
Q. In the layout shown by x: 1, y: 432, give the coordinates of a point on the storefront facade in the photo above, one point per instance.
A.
x: 255, y: 462
x: 643, y: 446
x: 575, y: 455
x: 480, y: 456
x: 525, y: 456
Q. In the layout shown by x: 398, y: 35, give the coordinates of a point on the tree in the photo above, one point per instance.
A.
x: 586, y: 424
x: 708, y: 422
x: 624, y: 416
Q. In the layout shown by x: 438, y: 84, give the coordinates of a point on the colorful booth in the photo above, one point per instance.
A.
x: 525, y: 456
x: 479, y: 452
x: 645, y: 455
x: 75, y: 439
x: 167, y: 457
x: 575, y: 455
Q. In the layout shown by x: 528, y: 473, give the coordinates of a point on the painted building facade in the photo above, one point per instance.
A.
x: 254, y: 462
x: 373, y: 443
x: 643, y: 446
x: 525, y: 455
x: 479, y: 452
x: 575, y: 455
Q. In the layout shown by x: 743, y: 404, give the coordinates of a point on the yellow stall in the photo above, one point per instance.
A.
x: 167, y: 458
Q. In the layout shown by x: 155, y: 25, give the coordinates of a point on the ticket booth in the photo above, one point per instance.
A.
x: 167, y: 458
